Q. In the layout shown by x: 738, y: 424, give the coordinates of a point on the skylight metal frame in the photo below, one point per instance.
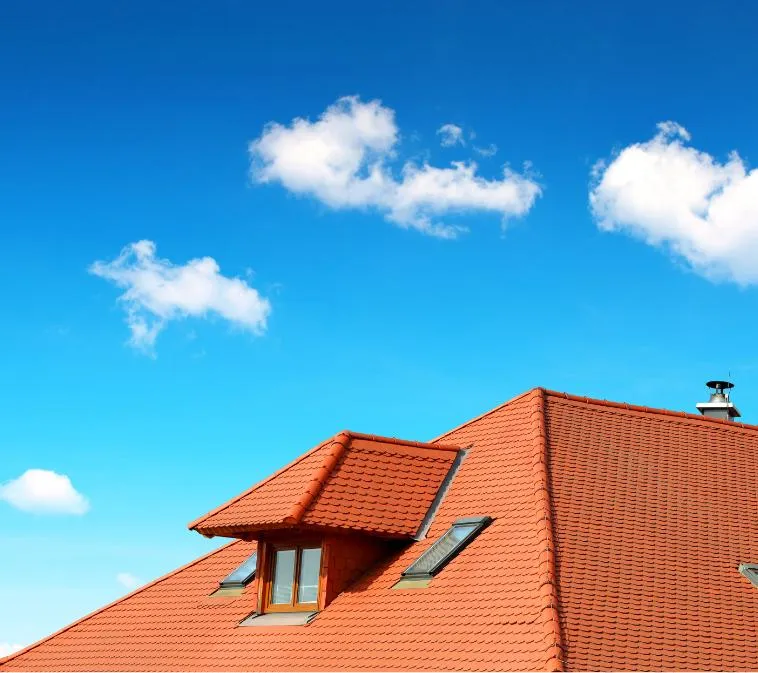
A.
x: 749, y: 570
x: 477, y: 524
x: 242, y: 575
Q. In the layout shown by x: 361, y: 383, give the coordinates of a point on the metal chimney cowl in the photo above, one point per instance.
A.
x: 719, y: 405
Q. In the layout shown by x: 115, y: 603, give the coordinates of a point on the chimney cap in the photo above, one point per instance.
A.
x: 719, y: 405
x: 720, y: 385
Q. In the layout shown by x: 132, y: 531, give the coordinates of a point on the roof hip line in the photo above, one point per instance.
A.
x: 336, y: 451
x: 193, y: 524
x: 546, y: 564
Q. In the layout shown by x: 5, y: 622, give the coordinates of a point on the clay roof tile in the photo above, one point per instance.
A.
x: 597, y: 509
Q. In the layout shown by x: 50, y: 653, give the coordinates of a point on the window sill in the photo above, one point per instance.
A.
x: 279, y: 619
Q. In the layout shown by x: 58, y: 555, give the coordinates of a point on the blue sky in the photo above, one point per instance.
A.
x: 402, y: 306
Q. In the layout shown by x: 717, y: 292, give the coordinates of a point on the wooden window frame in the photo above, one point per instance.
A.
x: 268, y: 584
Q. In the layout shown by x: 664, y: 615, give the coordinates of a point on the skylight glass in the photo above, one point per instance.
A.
x: 242, y: 576
x: 750, y: 570
x: 447, y: 547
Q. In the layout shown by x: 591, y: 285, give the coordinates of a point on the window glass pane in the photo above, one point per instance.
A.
x: 284, y: 576
x: 310, y: 566
x: 242, y: 575
x: 458, y: 533
x: 443, y: 549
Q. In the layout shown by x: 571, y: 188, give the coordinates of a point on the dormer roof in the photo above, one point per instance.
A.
x: 377, y: 485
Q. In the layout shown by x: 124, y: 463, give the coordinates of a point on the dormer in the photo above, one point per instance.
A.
x: 332, y: 514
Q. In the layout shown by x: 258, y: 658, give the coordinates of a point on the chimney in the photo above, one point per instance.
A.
x: 719, y: 405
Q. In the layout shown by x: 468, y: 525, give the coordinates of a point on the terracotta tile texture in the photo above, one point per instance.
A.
x: 616, y: 537
x: 354, y: 482
x: 653, y: 512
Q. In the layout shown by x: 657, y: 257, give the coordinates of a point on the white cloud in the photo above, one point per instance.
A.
x: 129, y: 581
x: 43, y: 492
x: 9, y: 648
x: 670, y: 194
x: 342, y: 160
x: 157, y: 291
x: 489, y: 151
x: 451, y: 135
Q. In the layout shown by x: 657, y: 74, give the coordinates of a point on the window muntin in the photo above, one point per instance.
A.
x: 242, y: 575
x: 447, y: 547
x: 294, y: 576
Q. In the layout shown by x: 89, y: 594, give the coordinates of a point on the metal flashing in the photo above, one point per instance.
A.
x: 426, y: 523
x: 412, y: 583
x: 223, y: 592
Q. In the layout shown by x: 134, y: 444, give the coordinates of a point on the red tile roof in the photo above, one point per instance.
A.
x: 654, y: 511
x: 378, y: 485
x: 616, y: 537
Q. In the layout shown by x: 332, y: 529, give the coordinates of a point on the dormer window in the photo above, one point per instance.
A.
x: 293, y: 579
x: 323, y: 521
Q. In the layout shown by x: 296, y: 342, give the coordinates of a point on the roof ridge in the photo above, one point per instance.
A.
x: 193, y: 524
x: 680, y: 415
x: 548, y: 584
x: 486, y: 413
x: 339, y: 444
x: 403, y: 442
x: 10, y: 657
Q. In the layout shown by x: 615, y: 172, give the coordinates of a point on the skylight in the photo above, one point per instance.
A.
x: 447, y: 547
x: 243, y: 575
x: 750, y: 570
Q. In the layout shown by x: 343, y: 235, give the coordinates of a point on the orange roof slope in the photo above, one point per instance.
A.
x: 357, y: 482
x: 493, y: 607
x: 616, y: 537
x: 653, y: 513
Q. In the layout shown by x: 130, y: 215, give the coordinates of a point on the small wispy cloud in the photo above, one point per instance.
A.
x: 129, y: 581
x: 157, y: 291
x: 450, y: 135
x: 343, y: 160
x: 9, y: 648
x: 489, y: 151
x: 670, y: 194
x: 43, y: 492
